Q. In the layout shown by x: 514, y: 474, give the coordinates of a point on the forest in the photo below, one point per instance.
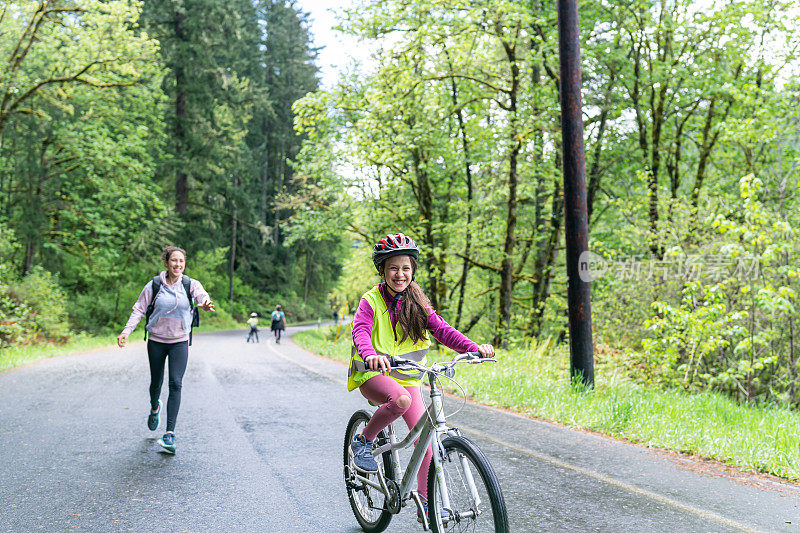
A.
x: 128, y: 125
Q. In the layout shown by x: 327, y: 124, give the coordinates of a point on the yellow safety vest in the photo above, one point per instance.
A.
x: 386, y: 341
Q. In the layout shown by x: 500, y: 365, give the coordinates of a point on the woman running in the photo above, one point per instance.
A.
x: 169, y: 322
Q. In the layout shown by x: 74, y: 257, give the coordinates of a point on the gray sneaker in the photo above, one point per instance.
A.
x: 168, y: 442
x: 362, y: 454
x: 154, y: 418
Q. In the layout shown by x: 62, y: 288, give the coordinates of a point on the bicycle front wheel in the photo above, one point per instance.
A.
x: 476, y: 501
x: 368, y: 503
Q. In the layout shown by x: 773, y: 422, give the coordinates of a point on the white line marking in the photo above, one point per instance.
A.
x: 702, y: 513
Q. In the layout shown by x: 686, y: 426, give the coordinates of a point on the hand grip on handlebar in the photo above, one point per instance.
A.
x: 394, y: 362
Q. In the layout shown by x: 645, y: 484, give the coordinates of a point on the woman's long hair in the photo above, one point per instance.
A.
x: 414, y: 308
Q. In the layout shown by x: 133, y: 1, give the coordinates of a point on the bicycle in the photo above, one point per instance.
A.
x: 470, y: 502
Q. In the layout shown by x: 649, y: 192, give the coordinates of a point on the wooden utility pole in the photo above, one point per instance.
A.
x: 576, y: 226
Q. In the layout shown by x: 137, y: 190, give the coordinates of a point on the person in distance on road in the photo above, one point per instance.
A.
x: 166, y: 304
x: 278, y: 323
x: 253, y: 323
x: 395, y: 317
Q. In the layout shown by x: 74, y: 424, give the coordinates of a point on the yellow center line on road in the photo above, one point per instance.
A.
x: 700, y: 513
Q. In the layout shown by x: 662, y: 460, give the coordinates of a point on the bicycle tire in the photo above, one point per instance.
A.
x: 367, y: 503
x: 490, y: 515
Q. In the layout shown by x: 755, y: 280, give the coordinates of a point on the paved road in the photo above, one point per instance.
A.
x: 259, y: 449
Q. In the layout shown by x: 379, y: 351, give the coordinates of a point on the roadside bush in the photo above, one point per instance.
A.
x: 41, y: 292
x: 733, y: 328
x: 31, y: 308
x: 14, y: 316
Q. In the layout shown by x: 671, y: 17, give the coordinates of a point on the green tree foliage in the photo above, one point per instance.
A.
x: 669, y: 80
x: 207, y: 48
x: 72, y: 67
x: 234, y: 72
x: 31, y: 308
x: 735, y: 327
x: 117, y: 138
x: 299, y: 265
x: 94, y: 41
x: 453, y: 137
x: 447, y: 141
x: 77, y: 152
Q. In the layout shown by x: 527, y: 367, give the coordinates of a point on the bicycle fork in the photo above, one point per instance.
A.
x: 441, y: 455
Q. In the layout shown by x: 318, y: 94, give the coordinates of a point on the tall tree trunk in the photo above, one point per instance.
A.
x: 705, y: 151
x: 425, y: 204
x: 462, y: 131
x: 265, y: 176
x: 674, y: 168
x: 707, y: 144
x: 234, y: 227
x: 594, y: 169
x: 657, y: 108
x: 545, y: 260
x: 278, y: 188
x: 181, y: 142
x: 34, y: 210
x: 507, y: 265
x: 30, y: 250
x: 307, y: 275
x: 468, y: 179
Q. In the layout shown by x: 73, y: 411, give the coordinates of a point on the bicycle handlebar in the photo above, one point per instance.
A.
x: 469, y: 357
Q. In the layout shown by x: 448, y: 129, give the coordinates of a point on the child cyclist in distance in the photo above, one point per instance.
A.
x: 395, y: 318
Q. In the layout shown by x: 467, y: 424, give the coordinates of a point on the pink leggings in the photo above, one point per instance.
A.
x: 385, y: 391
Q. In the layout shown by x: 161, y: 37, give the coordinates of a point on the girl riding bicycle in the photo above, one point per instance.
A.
x: 395, y: 318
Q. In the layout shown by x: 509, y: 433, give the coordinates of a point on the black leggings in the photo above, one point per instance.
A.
x: 277, y: 327
x: 178, y: 354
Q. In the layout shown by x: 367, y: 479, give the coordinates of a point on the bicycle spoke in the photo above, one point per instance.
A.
x: 367, y: 502
x: 475, y: 501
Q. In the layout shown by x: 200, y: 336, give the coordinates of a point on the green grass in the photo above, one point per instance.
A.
x: 533, y: 381
x: 20, y: 355
x: 320, y: 341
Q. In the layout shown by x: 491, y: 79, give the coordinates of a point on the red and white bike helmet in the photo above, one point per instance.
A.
x: 392, y: 245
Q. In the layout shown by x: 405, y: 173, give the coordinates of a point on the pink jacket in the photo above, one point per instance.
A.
x: 443, y: 332
x: 170, y: 324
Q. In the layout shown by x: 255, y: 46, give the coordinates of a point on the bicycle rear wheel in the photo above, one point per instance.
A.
x: 476, y: 500
x: 367, y: 503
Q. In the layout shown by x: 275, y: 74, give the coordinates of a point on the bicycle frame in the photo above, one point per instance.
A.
x: 427, y: 432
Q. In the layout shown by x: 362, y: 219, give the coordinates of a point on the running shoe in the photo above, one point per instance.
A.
x: 362, y: 454
x: 154, y: 418
x: 168, y: 442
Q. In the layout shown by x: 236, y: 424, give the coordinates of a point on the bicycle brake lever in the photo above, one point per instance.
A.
x: 395, y: 362
x: 482, y: 360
